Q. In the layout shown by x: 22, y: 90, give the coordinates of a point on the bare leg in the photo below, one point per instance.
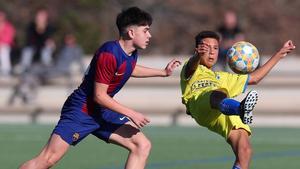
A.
x: 136, y: 142
x: 50, y: 155
x: 240, y: 143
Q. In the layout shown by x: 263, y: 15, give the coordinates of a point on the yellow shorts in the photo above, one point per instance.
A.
x: 213, y: 119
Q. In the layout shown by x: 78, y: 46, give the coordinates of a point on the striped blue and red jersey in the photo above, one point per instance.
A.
x: 110, y: 65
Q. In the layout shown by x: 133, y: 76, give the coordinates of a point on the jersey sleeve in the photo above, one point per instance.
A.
x: 182, y: 73
x: 235, y: 84
x: 105, y: 68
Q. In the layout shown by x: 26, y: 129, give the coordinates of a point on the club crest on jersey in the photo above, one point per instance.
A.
x: 76, y: 136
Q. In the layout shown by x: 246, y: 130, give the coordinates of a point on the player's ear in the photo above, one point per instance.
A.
x: 130, y: 33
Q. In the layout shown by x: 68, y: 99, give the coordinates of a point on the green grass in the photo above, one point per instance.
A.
x: 173, y: 148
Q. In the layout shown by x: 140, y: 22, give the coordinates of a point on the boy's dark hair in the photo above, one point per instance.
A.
x: 207, y: 34
x: 132, y: 16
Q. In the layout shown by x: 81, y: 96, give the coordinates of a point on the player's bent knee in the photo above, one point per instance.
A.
x: 48, y: 161
x: 38, y: 162
x: 247, y: 149
x: 244, y: 145
x: 146, y: 146
x: 142, y: 147
x: 50, y: 157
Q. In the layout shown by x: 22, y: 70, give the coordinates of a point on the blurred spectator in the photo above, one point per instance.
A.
x: 70, y: 53
x: 39, y: 45
x: 26, y: 88
x: 7, y: 34
x: 231, y: 33
x: 38, y: 73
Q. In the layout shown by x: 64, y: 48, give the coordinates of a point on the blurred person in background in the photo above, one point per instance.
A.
x: 39, y: 45
x: 208, y: 95
x: 7, y: 35
x: 38, y: 74
x: 70, y: 53
x: 91, y: 109
x: 231, y: 32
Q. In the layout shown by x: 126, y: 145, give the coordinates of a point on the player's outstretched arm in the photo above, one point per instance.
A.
x: 142, y: 71
x: 194, y: 61
x: 191, y: 66
x: 260, y: 73
x: 102, y: 98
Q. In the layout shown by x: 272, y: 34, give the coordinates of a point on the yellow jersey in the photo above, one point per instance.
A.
x: 205, y: 80
x: 196, y: 96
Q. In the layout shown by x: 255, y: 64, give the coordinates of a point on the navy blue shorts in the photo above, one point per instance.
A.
x: 74, y: 125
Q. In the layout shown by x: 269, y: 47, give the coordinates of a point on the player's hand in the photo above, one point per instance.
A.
x: 287, y: 48
x: 202, y: 49
x: 171, y: 66
x: 139, y: 119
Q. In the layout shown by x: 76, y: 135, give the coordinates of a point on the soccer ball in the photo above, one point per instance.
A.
x: 243, y: 57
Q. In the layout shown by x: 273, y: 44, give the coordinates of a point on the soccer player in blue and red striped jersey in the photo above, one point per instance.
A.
x: 91, y: 109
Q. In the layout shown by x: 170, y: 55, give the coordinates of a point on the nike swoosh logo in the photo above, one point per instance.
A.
x: 119, y: 74
x: 122, y: 118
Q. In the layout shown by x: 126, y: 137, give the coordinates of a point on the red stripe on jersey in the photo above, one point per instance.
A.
x: 88, y: 107
x: 84, y: 108
x: 117, y: 79
x: 105, y: 68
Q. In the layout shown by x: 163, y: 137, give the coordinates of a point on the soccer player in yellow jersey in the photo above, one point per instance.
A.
x: 208, y: 95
